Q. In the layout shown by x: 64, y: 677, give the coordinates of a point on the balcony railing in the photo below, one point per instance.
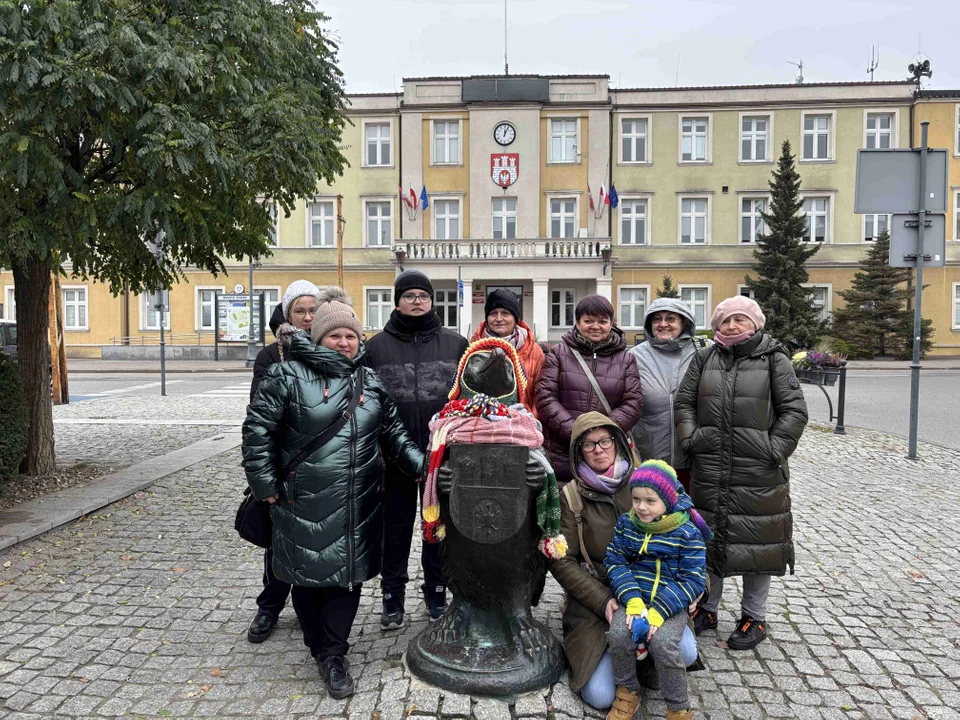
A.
x: 573, y: 248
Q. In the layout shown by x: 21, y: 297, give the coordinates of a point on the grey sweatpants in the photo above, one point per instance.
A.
x: 756, y: 588
x: 664, y: 648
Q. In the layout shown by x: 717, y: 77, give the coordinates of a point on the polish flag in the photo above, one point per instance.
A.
x: 590, y: 198
x: 413, y: 198
x: 603, y: 195
x: 403, y: 196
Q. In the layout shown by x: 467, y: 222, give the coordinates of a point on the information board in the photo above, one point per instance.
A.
x: 233, y: 313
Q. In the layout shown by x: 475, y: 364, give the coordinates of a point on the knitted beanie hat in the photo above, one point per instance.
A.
x: 734, y: 305
x: 485, y: 345
x: 334, y: 310
x: 501, y: 298
x: 662, y: 479
x: 411, y: 280
x: 298, y: 288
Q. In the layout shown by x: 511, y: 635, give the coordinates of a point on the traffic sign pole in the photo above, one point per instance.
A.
x: 917, y: 314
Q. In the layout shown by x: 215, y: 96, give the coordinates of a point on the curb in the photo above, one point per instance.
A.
x: 156, y: 371
x: 35, y: 517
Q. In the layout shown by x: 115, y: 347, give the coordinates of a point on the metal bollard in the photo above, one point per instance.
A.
x: 841, y: 399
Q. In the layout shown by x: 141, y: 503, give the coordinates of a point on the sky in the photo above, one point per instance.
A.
x: 642, y: 43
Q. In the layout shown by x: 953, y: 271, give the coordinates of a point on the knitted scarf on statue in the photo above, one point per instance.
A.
x: 484, y: 420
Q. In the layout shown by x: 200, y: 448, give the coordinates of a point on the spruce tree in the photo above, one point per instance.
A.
x: 781, y: 257
x: 875, y: 320
x: 668, y: 290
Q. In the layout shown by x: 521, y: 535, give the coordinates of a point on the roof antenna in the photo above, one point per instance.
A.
x: 874, y: 61
x: 506, y: 65
x: 799, y: 71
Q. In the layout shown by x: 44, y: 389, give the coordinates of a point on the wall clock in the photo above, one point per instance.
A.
x: 504, y: 133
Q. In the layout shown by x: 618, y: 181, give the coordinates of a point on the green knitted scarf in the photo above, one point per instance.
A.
x: 665, y: 524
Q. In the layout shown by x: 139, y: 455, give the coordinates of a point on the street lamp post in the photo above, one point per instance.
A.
x: 156, y: 249
x: 251, y: 335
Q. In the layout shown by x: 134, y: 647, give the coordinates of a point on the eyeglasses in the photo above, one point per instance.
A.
x: 604, y: 443
x: 413, y: 298
x: 305, y: 311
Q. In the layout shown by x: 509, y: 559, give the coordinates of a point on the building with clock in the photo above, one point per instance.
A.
x: 509, y: 167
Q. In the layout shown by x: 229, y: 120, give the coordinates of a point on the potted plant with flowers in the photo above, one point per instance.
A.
x: 821, y: 367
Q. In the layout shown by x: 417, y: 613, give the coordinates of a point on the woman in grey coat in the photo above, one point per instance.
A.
x: 662, y: 360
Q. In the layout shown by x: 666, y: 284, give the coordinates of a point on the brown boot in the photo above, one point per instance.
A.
x: 625, y: 704
x: 679, y: 715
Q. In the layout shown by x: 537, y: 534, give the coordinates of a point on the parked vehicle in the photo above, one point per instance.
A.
x: 8, y: 338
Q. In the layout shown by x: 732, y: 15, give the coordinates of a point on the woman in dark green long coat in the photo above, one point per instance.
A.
x: 740, y: 413
x: 328, y: 514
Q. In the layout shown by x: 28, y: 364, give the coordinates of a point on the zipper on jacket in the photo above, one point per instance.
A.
x: 416, y: 387
x: 350, y: 494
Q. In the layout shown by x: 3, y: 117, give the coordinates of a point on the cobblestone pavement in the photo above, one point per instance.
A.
x: 140, y: 611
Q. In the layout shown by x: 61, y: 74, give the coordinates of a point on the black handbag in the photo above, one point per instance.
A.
x: 253, y: 522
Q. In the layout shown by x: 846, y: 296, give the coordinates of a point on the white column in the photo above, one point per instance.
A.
x: 465, y: 313
x: 605, y: 287
x: 541, y: 309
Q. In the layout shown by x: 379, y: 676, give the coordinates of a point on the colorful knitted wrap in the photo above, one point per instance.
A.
x: 662, y: 479
x: 485, y: 420
x: 485, y: 345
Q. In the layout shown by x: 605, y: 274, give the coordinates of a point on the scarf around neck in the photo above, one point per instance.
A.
x: 517, y: 338
x: 731, y: 340
x: 604, y: 484
x: 414, y: 324
x: 666, y: 523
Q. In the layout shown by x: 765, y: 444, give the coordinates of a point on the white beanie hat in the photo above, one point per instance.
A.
x: 298, y: 288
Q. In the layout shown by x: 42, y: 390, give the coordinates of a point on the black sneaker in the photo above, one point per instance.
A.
x: 260, y: 628
x: 392, y: 616
x: 703, y: 620
x: 333, y: 670
x: 748, y: 635
x: 436, y: 601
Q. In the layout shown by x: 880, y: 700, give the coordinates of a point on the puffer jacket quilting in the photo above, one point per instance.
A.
x: 740, y: 413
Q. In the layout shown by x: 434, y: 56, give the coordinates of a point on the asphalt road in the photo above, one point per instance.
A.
x: 880, y: 400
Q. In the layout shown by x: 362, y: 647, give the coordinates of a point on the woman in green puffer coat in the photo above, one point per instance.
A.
x: 740, y: 413
x: 327, y: 514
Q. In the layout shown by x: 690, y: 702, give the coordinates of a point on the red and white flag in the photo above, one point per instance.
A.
x: 603, y: 195
x: 413, y: 198
x: 590, y: 198
x: 403, y: 196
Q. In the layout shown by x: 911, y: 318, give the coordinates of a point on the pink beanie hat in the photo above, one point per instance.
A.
x: 738, y: 304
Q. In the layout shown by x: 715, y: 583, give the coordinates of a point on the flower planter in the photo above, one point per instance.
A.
x: 819, y: 376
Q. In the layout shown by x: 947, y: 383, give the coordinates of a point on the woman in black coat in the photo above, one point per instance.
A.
x: 739, y: 414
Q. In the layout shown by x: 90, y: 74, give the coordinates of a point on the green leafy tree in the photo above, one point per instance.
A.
x: 129, y: 120
x: 875, y: 320
x: 781, y: 257
x: 668, y: 290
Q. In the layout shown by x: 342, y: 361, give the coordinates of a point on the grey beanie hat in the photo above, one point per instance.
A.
x: 298, y: 288
x: 334, y: 310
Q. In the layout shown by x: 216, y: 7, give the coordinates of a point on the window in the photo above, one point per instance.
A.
x: 150, y: 316
x: 563, y: 219
x: 956, y: 218
x: 753, y: 138
x: 744, y: 291
x: 75, y: 308
x: 816, y: 210
x: 874, y: 226
x: 879, y: 130
x: 206, y: 308
x: 273, y: 234
x: 563, y: 141
x: 633, y: 306
x: 956, y: 306
x: 820, y: 298
x: 378, y: 224
x: 377, y: 140
x: 271, y: 298
x: 694, y: 145
x: 956, y: 132
x: 446, y: 142
x: 633, y: 140
x: 445, y: 305
x: 751, y: 220
x: 693, y: 221
x: 446, y: 219
x: 320, y: 217
x: 816, y: 136
x: 633, y: 222
x: 10, y: 307
x: 505, y: 218
x: 379, y: 307
x: 562, y: 305
x: 698, y: 299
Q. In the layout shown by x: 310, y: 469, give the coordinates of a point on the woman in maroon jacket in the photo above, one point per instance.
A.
x: 564, y: 390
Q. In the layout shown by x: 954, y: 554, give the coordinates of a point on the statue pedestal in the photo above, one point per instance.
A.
x: 488, y: 642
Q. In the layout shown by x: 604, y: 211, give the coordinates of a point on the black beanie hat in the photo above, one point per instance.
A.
x: 410, y: 280
x: 505, y: 299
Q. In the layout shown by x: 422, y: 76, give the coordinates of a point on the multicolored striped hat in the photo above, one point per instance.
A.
x: 662, y: 479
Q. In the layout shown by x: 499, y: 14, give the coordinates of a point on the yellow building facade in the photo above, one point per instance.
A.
x: 509, y: 166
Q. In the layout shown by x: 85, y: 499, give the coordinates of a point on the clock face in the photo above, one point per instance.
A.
x: 504, y: 133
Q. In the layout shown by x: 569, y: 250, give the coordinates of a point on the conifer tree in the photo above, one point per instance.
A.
x: 875, y: 320
x: 781, y: 257
x: 668, y: 290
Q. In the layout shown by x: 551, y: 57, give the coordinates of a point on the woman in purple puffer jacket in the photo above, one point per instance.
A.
x: 564, y: 391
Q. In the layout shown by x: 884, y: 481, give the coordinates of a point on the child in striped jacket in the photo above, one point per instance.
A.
x: 656, y: 564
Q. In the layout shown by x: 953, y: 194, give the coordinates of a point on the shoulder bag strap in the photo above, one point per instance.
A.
x: 593, y: 381
x: 328, y: 434
x: 572, y: 493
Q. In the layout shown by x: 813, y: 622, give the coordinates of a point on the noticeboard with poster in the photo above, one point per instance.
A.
x: 233, y: 317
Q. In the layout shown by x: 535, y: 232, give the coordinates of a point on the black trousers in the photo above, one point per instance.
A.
x: 273, y: 598
x: 399, y: 520
x: 326, y: 616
